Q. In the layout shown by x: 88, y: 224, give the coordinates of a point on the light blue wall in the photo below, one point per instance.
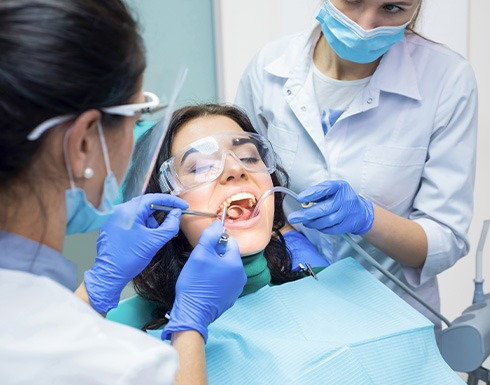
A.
x: 176, y: 33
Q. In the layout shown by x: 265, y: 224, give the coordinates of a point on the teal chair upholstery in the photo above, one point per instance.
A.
x: 133, y: 311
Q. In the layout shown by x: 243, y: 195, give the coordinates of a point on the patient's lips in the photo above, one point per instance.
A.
x: 240, y: 206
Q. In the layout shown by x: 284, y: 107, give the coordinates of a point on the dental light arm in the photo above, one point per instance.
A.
x: 466, y: 344
x: 478, y: 294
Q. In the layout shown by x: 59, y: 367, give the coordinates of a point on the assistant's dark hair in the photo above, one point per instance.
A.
x: 157, y: 282
x: 61, y: 57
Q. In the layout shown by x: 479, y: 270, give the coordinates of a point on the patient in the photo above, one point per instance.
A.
x: 212, y: 157
x: 345, y: 327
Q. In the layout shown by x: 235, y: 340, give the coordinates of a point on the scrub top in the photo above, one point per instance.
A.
x: 407, y: 142
x: 49, y: 336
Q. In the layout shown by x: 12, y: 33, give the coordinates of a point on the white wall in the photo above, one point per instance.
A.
x: 456, y: 283
x: 245, y: 26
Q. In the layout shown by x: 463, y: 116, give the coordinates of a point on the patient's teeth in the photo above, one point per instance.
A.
x: 240, y: 196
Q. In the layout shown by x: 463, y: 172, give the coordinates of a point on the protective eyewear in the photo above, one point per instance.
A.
x: 147, y: 110
x: 203, y: 161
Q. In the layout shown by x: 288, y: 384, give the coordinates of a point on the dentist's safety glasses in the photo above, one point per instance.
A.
x: 203, y: 161
x: 150, y: 109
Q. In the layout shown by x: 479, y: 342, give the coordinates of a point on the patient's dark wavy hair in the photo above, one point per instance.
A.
x: 157, y: 282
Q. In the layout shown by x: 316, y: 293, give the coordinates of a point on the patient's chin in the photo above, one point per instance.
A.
x: 250, y: 244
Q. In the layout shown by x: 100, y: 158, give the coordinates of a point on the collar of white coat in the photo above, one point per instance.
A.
x: 22, y: 254
x: 395, y: 74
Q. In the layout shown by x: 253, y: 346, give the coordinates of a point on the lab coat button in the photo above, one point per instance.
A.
x: 288, y: 92
x: 370, y: 100
x: 303, y: 108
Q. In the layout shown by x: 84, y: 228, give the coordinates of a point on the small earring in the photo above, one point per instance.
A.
x: 88, y: 173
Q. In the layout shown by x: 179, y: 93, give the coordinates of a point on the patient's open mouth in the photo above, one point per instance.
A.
x: 240, y: 206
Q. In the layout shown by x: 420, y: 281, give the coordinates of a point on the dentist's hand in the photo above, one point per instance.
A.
x: 338, y: 209
x: 208, y: 285
x: 122, y: 254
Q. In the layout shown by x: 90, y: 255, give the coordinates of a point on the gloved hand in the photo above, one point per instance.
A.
x: 208, y: 284
x: 338, y: 209
x: 122, y: 254
x: 303, y: 251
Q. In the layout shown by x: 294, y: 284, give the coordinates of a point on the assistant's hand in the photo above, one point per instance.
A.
x: 338, y: 209
x: 208, y: 285
x: 122, y: 254
x: 303, y: 251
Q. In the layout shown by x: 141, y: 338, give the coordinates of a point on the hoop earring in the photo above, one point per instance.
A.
x: 88, y: 173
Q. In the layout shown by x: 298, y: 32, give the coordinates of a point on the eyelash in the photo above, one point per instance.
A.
x: 398, y: 9
x: 385, y: 6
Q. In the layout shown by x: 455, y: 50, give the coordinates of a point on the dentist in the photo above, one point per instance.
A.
x: 70, y: 95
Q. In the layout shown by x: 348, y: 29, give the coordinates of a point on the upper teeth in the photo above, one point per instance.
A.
x: 239, y: 197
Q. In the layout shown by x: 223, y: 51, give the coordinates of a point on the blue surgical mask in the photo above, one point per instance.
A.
x: 81, y: 215
x: 353, y: 43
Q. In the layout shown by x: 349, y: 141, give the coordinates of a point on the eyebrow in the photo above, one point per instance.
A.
x: 235, y: 142
x: 192, y: 150
x: 240, y: 141
x: 406, y: 3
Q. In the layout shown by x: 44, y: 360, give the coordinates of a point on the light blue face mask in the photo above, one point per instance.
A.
x: 352, y: 42
x: 81, y: 215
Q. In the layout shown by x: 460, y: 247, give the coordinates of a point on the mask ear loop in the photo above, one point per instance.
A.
x: 103, y: 144
x: 67, y: 161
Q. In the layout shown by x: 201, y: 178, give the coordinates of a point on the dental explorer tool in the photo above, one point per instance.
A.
x: 190, y: 212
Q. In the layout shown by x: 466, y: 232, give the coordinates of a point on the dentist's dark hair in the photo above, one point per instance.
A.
x: 157, y: 282
x: 61, y: 57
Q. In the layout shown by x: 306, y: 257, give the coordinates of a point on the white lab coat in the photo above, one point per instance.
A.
x: 407, y: 142
x: 49, y: 336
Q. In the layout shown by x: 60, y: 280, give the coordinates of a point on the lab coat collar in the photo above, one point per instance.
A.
x: 298, y: 55
x: 22, y: 254
x: 296, y: 60
x: 396, y: 72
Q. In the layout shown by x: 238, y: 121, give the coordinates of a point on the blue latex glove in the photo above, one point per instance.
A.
x: 122, y: 254
x: 208, y: 284
x: 338, y: 209
x: 303, y: 251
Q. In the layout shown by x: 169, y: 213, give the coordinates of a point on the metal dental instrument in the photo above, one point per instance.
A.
x: 224, y: 236
x: 306, y: 268
x: 190, y: 212
x: 223, y: 240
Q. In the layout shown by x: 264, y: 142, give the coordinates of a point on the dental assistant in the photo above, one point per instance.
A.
x: 70, y: 95
x: 378, y: 125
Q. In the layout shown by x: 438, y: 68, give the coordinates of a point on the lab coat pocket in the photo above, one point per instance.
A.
x: 285, y: 144
x: 391, y: 175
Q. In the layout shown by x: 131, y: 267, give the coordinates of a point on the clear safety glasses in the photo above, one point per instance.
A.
x: 203, y: 161
x: 150, y: 109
